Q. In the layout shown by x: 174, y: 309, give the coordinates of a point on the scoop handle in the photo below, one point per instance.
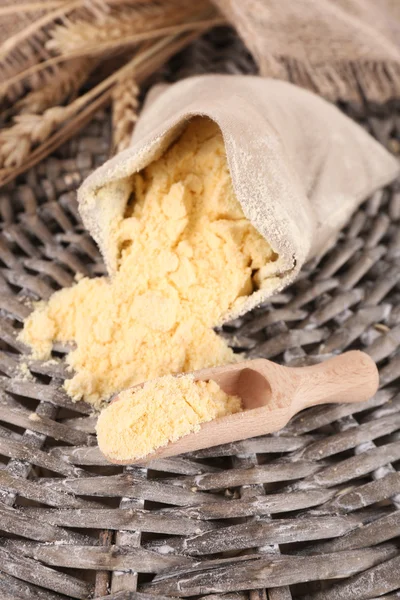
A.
x: 350, y: 377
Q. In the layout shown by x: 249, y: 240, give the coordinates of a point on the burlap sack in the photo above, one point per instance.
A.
x: 299, y: 167
x: 341, y: 49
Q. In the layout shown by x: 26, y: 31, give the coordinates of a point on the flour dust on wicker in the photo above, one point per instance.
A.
x: 186, y: 254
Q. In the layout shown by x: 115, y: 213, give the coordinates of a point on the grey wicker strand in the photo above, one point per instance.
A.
x: 312, y: 512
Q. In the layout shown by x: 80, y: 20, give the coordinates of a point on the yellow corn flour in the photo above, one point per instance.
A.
x: 141, y: 421
x: 186, y: 254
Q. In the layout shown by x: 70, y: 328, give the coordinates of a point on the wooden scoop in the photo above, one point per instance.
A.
x: 271, y: 395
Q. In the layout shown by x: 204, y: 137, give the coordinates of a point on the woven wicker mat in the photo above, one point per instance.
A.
x: 313, y: 511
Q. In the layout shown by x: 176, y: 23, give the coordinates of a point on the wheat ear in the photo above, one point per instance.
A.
x: 69, y: 80
x: 76, y: 34
x: 29, y: 130
x: 31, y: 137
x: 125, y: 102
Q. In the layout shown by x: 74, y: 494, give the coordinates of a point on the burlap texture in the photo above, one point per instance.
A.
x: 299, y: 167
x: 341, y: 49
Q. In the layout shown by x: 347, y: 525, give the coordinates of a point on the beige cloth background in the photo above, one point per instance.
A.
x: 341, y: 49
x: 299, y: 166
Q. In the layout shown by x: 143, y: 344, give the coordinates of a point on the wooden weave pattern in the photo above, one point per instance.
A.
x: 312, y: 512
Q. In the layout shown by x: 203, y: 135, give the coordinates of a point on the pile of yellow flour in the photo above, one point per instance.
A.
x: 163, y: 410
x: 186, y: 254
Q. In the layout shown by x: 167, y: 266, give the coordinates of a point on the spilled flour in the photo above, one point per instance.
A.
x: 187, y: 253
x: 141, y: 421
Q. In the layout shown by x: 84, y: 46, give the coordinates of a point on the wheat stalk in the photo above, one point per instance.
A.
x: 199, y: 26
x: 85, y: 23
x: 28, y: 7
x: 69, y: 80
x: 125, y: 103
x: 15, y: 41
x: 16, y: 141
x: 40, y: 123
x: 32, y: 137
x: 82, y: 34
x: 30, y: 129
x: 26, y: 48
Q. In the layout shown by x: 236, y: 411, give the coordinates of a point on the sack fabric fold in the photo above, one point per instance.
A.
x: 299, y: 167
x: 346, y: 50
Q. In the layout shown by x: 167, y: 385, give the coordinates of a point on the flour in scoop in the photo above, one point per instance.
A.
x: 163, y: 411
